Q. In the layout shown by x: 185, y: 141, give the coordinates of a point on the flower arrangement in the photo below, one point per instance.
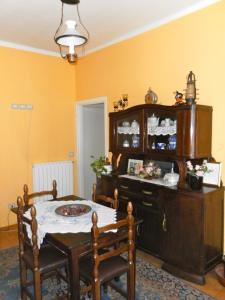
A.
x: 150, y: 170
x: 197, y: 170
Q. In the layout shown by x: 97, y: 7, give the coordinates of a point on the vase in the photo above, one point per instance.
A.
x: 195, y: 182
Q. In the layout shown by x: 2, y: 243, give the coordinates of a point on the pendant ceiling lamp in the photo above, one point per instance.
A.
x: 71, y: 33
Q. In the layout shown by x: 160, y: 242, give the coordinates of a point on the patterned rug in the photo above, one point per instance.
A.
x: 152, y: 283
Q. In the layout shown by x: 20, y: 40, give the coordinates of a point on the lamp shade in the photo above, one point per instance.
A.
x: 71, y: 37
x: 67, y: 37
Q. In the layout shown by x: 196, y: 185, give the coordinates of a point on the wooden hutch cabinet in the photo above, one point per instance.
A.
x: 181, y: 226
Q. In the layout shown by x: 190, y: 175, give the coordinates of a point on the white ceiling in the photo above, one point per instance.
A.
x: 32, y: 24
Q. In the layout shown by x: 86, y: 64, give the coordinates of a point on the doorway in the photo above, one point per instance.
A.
x: 92, y: 140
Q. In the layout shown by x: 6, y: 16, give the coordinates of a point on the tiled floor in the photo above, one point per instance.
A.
x: 8, y: 238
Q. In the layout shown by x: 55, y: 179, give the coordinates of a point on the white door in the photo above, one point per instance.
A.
x: 92, y: 140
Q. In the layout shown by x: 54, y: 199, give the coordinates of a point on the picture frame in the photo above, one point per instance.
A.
x: 213, y: 177
x: 134, y: 165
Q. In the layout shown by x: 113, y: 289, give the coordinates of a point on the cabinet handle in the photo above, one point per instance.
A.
x: 124, y: 187
x: 138, y: 230
x: 164, y: 223
x: 124, y: 197
x: 147, y: 203
x: 146, y: 192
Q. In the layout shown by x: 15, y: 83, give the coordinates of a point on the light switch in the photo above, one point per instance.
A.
x: 22, y: 106
x: 71, y: 154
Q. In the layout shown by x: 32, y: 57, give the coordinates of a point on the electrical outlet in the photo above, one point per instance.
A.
x: 12, y: 205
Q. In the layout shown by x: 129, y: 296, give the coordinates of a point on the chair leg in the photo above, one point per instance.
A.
x: 37, y: 285
x: 23, y: 280
x: 131, y: 283
x: 96, y: 290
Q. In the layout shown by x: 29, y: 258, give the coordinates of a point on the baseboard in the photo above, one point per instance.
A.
x: 10, y: 227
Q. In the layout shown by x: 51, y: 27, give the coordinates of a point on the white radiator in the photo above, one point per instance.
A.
x: 45, y: 173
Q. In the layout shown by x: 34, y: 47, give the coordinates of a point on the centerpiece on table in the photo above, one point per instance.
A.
x: 196, y: 174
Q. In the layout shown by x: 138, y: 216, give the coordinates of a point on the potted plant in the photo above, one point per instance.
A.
x: 196, y: 173
x: 98, y: 166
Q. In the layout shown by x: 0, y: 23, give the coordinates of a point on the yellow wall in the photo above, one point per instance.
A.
x: 45, y: 133
x: 162, y: 58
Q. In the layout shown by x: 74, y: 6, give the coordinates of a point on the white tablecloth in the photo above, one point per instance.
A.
x: 50, y: 222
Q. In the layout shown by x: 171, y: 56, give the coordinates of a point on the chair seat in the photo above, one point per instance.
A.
x: 49, y: 259
x: 108, y: 269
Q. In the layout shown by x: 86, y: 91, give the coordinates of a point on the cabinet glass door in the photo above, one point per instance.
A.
x: 128, y: 132
x: 161, y: 130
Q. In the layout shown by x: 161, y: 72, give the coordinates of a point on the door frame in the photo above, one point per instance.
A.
x: 79, y: 105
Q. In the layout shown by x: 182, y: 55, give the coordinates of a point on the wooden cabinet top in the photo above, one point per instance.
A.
x: 159, y: 107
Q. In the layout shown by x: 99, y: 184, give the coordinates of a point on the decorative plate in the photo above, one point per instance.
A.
x: 73, y: 210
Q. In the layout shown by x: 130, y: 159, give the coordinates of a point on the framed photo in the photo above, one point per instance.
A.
x: 134, y: 165
x: 214, y: 175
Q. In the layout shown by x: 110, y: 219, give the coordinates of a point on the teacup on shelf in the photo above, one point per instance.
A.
x: 167, y: 122
x: 126, y: 144
x: 163, y: 123
x: 126, y: 124
x: 160, y: 146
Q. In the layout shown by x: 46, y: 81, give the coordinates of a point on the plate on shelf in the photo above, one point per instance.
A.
x: 73, y: 210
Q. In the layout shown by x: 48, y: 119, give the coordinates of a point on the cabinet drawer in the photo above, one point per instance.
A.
x: 128, y: 196
x: 125, y: 197
x: 148, y: 190
x: 136, y: 186
x: 126, y: 185
x: 151, y: 204
x: 149, y: 196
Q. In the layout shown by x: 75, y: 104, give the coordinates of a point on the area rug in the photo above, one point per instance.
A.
x: 152, y: 282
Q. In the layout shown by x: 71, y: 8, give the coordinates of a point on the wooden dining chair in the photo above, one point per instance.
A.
x: 112, y: 202
x: 43, y: 263
x: 27, y: 196
x: 102, y: 267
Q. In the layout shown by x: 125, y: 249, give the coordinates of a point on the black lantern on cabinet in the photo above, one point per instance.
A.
x: 190, y: 92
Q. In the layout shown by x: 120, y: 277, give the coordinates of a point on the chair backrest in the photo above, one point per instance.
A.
x: 27, y: 197
x: 103, y: 198
x: 99, y: 240
x: 24, y: 242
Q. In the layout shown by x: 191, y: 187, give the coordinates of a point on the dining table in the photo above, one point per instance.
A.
x: 76, y: 245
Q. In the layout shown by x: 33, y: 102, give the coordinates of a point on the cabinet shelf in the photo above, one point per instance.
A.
x: 170, y: 130
x: 128, y: 130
